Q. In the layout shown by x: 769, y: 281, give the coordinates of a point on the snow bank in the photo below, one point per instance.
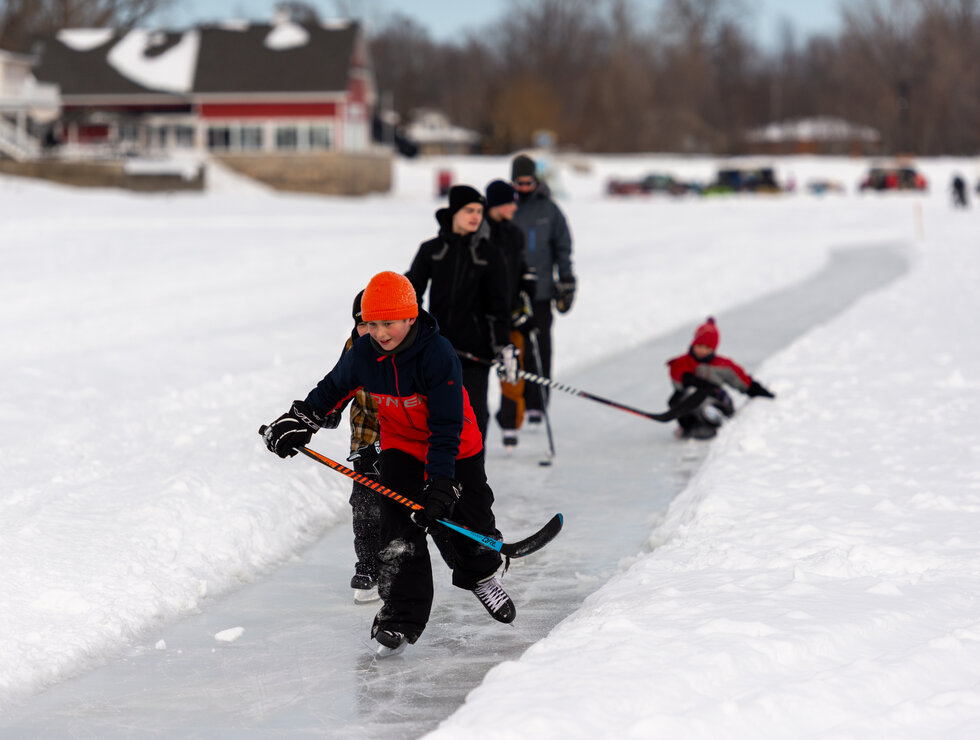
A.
x: 819, y: 577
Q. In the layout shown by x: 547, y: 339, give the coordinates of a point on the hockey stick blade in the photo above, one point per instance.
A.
x: 516, y: 549
x: 536, y: 541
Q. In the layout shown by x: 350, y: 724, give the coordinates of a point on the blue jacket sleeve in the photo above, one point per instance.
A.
x: 336, y: 387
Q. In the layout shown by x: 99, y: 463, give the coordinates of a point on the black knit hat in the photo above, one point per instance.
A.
x: 500, y: 192
x: 523, y: 166
x: 463, y: 195
x: 356, y: 310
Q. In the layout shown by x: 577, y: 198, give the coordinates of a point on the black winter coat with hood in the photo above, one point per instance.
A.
x: 469, y: 294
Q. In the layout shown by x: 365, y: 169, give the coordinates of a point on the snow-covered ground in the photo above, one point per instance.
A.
x: 818, y: 578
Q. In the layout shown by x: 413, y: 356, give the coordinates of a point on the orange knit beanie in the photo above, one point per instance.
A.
x: 389, y: 297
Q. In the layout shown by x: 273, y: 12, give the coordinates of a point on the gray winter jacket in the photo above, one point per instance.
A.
x: 547, y: 240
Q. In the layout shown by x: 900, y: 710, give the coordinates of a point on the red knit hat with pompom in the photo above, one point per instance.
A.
x: 707, y: 334
x: 389, y: 297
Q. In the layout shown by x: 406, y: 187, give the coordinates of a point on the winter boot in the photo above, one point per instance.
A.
x: 495, y: 600
x: 365, y: 589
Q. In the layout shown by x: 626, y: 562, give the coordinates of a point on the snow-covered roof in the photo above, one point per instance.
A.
x: 136, y: 57
x: 822, y: 128
x: 431, y: 127
x: 286, y: 36
x: 284, y: 57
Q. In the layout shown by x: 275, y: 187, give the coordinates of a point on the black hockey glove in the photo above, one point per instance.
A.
x: 690, y: 380
x: 757, y: 390
x: 507, y: 366
x: 528, y: 282
x: 564, y: 295
x: 293, y: 429
x: 365, y: 460
x: 439, y: 498
x: 332, y: 420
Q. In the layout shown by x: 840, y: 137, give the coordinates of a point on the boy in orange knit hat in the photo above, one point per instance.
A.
x: 701, y: 368
x: 431, y: 452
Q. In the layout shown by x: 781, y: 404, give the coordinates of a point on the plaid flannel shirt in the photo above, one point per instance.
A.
x: 364, y: 426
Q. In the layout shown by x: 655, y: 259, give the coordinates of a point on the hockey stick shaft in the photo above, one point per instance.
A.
x: 536, y: 349
x: 536, y: 541
x: 686, y: 407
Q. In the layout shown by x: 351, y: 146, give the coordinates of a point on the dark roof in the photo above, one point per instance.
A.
x: 228, y: 61
x: 83, y: 72
x: 239, y: 61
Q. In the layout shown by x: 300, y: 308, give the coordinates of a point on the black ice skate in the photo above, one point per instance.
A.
x: 495, y: 599
x: 365, y: 589
x: 390, y: 643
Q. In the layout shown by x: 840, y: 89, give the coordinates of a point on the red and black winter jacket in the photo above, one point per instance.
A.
x: 715, y: 369
x: 422, y: 405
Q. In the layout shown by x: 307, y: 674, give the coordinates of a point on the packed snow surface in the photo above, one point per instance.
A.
x: 818, y: 578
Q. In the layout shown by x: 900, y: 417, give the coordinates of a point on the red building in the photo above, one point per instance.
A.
x: 235, y: 88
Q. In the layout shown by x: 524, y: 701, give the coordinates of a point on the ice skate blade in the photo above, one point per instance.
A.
x: 384, y: 651
x: 366, y: 595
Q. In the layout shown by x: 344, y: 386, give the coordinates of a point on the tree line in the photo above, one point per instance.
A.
x: 605, y: 76
x: 615, y: 76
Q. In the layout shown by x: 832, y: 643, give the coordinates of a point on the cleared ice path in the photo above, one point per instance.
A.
x: 304, y: 665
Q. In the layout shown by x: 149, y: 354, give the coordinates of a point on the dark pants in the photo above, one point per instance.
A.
x: 476, y: 381
x: 699, y: 419
x: 366, y: 512
x: 535, y: 395
x: 405, y: 579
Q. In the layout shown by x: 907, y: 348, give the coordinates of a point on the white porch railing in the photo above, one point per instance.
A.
x: 17, y: 144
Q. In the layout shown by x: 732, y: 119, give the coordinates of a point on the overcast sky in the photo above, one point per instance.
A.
x: 449, y: 19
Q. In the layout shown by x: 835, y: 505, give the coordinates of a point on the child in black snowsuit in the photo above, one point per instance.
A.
x: 365, y: 509
x: 431, y: 452
x: 702, y: 369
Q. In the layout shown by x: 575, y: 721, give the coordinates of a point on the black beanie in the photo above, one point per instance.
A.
x: 463, y: 195
x: 523, y: 166
x: 356, y: 310
x: 500, y: 192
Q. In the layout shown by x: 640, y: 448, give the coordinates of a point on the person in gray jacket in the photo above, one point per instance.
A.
x: 548, y: 250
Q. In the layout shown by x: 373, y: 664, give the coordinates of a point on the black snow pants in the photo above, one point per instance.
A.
x: 536, y: 396
x: 476, y: 381
x: 405, y: 578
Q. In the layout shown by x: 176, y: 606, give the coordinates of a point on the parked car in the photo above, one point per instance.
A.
x: 652, y: 183
x: 745, y: 180
x: 902, y: 177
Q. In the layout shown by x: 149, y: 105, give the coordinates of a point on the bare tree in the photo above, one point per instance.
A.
x: 21, y: 20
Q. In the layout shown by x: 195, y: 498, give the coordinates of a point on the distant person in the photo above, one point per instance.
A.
x: 466, y: 278
x: 548, y: 245
x: 959, y: 192
x: 701, y: 368
x: 522, y: 282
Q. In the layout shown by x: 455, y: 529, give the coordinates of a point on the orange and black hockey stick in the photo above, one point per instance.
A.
x: 511, y: 550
